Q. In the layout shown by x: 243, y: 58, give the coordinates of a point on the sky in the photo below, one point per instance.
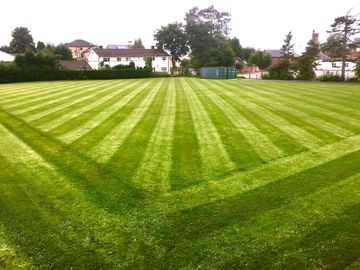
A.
x: 261, y: 24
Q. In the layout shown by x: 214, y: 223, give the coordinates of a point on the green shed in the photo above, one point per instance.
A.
x: 218, y: 72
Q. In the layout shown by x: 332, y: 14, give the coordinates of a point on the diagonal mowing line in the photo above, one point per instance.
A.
x: 48, y: 126
x: 245, y: 181
x: 92, y: 93
x: 213, y: 153
x: 34, y: 92
x: 261, y: 144
x: 301, y: 136
x: 313, y: 120
x: 104, y: 150
x: 40, y: 98
x: 298, y: 100
x: 64, y: 97
x: 96, y: 120
x: 154, y: 170
x: 23, y: 90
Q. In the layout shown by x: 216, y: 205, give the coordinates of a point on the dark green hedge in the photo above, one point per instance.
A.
x: 13, y: 73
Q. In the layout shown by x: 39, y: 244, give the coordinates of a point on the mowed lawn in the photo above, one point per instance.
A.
x: 179, y: 173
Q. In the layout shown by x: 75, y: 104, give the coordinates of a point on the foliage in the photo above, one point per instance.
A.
x: 62, y: 52
x: 260, y: 58
x: 284, y: 70
x: 357, y: 70
x: 21, y: 40
x: 123, y: 67
x: 40, y: 46
x: 5, y: 48
x: 339, y: 43
x: 307, y: 61
x: 173, y: 39
x: 32, y: 61
x: 138, y: 44
x: 207, y: 32
x: 236, y: 46
x: 132, y: 65
x: 329, y: 77
x: 246, y: 52
x: 148, y: 62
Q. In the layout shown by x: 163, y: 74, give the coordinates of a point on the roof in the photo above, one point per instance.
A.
x: 274, y: 53
x: 117, y: 46
x: 323, y: 57
x: 277, y: 53
x: 80, y: 43
x: 75, y: 64
x: 130, y: 52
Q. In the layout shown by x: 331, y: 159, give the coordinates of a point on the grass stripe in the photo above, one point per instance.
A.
x: 316, y: 105
x: 70, y: 135
x: 186, y: 160
x: 214, y: 157
x: 245, y: 181
x: 154, y: 170
x: 258, y: 141
x: 297, y: 133
x: 307, y: 118
x: 17, y: 106
x: 105, y: 149
x: 54, y: 123
x: 92, y: 92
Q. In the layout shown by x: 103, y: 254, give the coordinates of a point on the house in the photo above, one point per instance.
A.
x: 248, y: 71
x: 113, y: 57
x: 276, y: 55
x: 355, y: 52
x: 6, y: 57
x: 326, y: 65
x: 80, y: 48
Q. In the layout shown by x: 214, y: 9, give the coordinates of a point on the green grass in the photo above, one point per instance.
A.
x: 179, y: 173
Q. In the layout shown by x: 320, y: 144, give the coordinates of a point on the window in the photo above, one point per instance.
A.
x: 333, y: 64
x: 163, y: 69
x: 164, y: 58
x: 153, y: 58
x: 106, y: 59
x: 127, y: 58
x: 119, y: 59
x: 346, y: 64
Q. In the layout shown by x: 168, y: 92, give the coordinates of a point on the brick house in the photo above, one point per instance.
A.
x: 80, y: 49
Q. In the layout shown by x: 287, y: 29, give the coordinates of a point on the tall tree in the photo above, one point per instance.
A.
x: 236, y: 46
x: 260, y: 58
x: 343, y: 28
x: 173, y: 39
x: 287, y: 50
x: 307, y: 61
x: 21, y: 40
x: 207, y: 30
x: 138, y: 44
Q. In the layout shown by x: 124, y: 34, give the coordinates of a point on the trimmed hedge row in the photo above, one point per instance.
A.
x: 11, y: 73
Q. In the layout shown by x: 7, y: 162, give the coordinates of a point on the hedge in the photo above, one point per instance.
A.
x: 12, y: 73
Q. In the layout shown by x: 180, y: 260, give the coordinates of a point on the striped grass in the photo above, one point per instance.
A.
x: 179, y: 173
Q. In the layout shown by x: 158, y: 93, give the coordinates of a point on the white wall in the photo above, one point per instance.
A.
x: 159, y: 65
x: 327, y: 67
x: 6, y: 57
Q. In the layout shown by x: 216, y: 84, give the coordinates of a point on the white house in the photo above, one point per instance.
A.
x: 113, y: 57
x: 6, y: 57
x: 324, y: 65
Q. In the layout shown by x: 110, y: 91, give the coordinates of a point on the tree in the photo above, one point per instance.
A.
x: 307, y: 61
x: 236, y: 46
x: 246, y: 52
x: 40, y: 46
x: 5, y: 48
x: 32, y: 61
x: 138, y: 44
x: 62, y: 52
x: 207, y: 31
x: 260, y: 58
x: 21, y: 40
x: 340, y: 43
x: 173, y: 39
x: 148, y: 62
x: 284, y: 69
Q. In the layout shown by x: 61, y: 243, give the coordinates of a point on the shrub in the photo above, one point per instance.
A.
x: 329, y: 77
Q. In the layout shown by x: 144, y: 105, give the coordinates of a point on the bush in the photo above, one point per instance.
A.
x: 329, y: 77
x: 12, y: 73
x: 281, y: 71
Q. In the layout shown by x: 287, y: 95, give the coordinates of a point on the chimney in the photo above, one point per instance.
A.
x: 315, y: 37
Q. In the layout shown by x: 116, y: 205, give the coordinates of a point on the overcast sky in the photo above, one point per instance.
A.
x: 261, y: 24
